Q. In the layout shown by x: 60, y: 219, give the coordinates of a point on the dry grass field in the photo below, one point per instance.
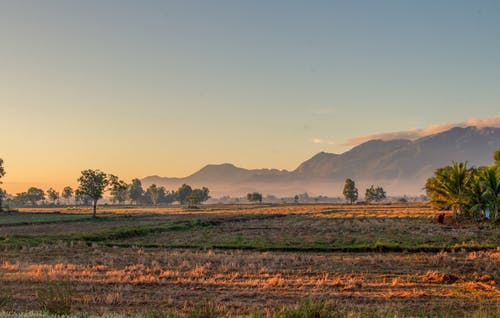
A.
x: 249, y: 260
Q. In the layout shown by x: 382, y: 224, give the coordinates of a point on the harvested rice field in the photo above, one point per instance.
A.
x: 249, y: 260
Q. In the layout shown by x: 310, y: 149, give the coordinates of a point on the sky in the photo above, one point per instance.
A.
x: 138, y: 88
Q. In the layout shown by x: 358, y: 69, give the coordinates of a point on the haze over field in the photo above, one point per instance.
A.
x: 400, y: 165
x: 166, y: 87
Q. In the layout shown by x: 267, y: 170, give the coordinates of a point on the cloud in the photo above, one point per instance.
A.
x: 416, y: 133
x: 320, y: 141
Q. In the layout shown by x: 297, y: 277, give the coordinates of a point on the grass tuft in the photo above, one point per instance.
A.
x: 54, y: 297
x: 308, y: 309
x: 207, y: 309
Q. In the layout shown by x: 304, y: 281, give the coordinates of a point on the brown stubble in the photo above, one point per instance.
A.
x: 124, y: 280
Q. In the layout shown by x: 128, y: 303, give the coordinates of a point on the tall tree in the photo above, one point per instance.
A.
x: 2, y: 173
x: 153, y: 194
x: 162, y: 195
x: 52, y: 195
x: 199, y: 195
x: 67, y: 193
x: 183, y: 192
x: 254, y: 197
x: 119, y: 189
x: 350, y: 191
x: 167, y: 196
x: 22, y: 198
x: 33, y: 195
x: 136, y: 191
x: 93, y: 183
x: 375, y: 194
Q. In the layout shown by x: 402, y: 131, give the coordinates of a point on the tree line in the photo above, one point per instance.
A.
x: 372, y: 194
x: 94, y: 183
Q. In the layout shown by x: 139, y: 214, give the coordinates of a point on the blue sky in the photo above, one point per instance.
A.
x: 164, y: 87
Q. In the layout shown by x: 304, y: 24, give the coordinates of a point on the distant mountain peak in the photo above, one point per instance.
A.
x: 376, y: 143
x: 219, y: 166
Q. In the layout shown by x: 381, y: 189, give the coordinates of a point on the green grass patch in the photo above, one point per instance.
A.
x: 306, y: 309
x: 41, y: 218
x: 106, y: 234
x: 353, y: 248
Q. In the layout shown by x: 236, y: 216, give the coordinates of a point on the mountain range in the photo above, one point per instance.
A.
x: 400, y: 166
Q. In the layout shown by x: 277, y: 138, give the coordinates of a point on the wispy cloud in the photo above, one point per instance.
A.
x: 416, y: 133
x: 321, y: 141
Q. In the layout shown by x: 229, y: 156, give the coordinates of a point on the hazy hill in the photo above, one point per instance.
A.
x: 223, y: 173
x: 401, y: 166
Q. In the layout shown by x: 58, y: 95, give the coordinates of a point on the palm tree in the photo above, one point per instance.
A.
x: 436, y: 189
x: 477, y: 204
x: 485, y: 192
x: 449, y: 187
